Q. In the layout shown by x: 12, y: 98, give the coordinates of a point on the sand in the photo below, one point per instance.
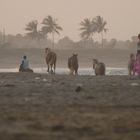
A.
x: 63, y: 107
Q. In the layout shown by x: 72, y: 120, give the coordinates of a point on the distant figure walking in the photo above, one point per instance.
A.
x: 99, y: 67
x: 73, y: 64
x: 24, y: 66
x: 51, y: 59
x: 131, y: 63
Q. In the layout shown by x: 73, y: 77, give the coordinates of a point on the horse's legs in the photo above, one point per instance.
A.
x: 51, y: 69
x: 71, y: 72
x: 76, y: 72
x: 48, y: 68
x: 104, y: 73
x: 54, y: 67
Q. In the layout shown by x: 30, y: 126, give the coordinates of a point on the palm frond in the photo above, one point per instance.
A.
x: 100, y: 23
x: 88, y: 28
x: 31, y: 27
x: 50, y: 25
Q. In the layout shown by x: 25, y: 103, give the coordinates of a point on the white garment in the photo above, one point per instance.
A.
x: 25, y: 64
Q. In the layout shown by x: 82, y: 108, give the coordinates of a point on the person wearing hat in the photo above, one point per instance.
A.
x: 24, y: 67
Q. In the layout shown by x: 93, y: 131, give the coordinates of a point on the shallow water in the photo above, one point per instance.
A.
x: 81, y: 71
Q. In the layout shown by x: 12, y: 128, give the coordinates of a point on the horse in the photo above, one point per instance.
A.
x: 99, y: 67
x: 51, y: 59
x: 131, y: 62
x: 73, y: 64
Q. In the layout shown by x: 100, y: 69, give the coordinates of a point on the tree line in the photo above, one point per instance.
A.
x: 37, y: 36
x: 88, y: 27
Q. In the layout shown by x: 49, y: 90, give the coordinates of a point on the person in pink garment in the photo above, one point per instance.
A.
x: 137, y: 61
x: 137, y: 65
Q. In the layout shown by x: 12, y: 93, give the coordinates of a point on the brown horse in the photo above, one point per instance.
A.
x: 73, y: 64
x: 51, y: 59
x: 99, y: 67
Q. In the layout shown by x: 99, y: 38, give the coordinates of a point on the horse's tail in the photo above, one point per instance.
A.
x: 55, y: 59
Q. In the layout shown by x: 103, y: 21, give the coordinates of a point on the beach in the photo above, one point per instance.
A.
x: 64, y: 107
x: 69, y: 70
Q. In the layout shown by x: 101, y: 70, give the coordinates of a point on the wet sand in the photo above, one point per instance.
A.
x: 62, y: 107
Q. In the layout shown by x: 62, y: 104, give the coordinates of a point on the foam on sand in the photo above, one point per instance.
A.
x: 82, y: 71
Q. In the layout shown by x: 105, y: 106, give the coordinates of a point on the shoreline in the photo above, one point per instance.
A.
x: 66, y: 71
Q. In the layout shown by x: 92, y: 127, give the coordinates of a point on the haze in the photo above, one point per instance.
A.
x: 121, y: 15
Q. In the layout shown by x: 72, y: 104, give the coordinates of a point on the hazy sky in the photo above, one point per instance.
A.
x: 121, y: 15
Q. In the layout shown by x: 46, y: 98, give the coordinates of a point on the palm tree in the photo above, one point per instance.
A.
x: 31, y: 27
x: 50, y: 26
x: 88, y: 29
x: 101, y: 27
